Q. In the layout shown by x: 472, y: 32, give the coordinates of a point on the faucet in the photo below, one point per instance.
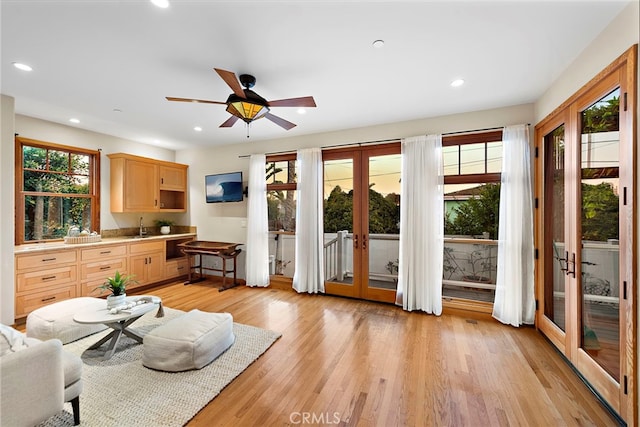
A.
x: 142, y: 230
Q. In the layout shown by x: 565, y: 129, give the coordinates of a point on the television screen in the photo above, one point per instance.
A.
x: 224, y: 187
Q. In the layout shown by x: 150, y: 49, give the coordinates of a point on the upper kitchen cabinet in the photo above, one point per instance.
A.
x: 140, y: 184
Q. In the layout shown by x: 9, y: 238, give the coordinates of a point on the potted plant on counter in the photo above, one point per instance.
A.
x: 165, y: 225
x: 117, y: 285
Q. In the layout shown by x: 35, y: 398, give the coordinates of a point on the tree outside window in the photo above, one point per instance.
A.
x: 55, y: 190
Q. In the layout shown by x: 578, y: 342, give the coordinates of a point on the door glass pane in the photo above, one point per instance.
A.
x: 338, y: 220
x: 384, y: 221
x: 600, y: 232
x: 554, y: 287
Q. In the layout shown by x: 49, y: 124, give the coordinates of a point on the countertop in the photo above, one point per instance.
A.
x: 39, y: 247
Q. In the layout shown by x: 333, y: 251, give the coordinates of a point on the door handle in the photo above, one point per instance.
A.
x: 364, y: 242
x: 573, y: 263
x: 355, y: 241
x: 566, y: 264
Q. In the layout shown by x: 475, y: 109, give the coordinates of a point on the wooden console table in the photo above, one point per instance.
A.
x: 223, y: 250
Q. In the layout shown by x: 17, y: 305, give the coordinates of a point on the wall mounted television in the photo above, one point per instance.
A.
x: 224, y: 187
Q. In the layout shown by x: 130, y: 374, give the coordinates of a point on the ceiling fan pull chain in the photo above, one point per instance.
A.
x: 248, y: 130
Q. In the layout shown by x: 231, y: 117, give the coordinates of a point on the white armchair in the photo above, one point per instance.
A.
x: 36, y: 378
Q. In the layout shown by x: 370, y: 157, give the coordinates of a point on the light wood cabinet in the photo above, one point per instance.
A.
x: 140, y: 184
x: 176, y: 267
x: 99, y: 263
x: 173, y: 178
x: 176, y: 262
x: 146, y: 262
x: 44, y: 278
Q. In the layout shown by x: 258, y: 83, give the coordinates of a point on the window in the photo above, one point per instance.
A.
x: 281, y: 192
x: 472, y: 165
x: 56, y: 188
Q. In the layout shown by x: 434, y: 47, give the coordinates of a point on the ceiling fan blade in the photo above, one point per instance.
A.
x: 280, y: 121
x: 231, y: 79
x: 229, y: 122
x: 305, y: 101
x: 200, y: 101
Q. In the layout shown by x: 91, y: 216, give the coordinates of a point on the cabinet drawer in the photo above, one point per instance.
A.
x: 25, y: 304
x: 45, y: 259
x: 100, y: 270
x: 140, y: 248
x: 176, y: 267
x: 103, y: 252
x: 39, y: 280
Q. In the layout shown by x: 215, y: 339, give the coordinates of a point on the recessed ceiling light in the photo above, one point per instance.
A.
x: 74, y: 120
x: 197, y: 129
x: 302, y: 111
x: 457, y: 83
x: 117, y: 110
x: 21, y: 66
x: 378, y: 44
x: 161, y: 3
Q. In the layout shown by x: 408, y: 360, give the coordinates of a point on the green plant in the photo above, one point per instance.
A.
x: 163, y: 222
x: 117, y: 284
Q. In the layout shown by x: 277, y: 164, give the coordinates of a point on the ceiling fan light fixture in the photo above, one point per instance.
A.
x: 246, y: 110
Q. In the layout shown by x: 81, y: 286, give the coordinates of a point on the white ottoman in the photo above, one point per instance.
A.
x: 190, y: 341
x: 56, y: 320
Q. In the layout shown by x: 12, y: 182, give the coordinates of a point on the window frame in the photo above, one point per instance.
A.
x: 21, y: 194
x: 287, y: 186
x: 472, y: 138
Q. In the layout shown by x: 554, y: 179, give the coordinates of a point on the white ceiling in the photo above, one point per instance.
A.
x: 90, y: 57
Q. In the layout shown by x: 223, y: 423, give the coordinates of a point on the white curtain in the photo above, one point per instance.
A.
x: 309, y: 265
x: 514, y: 301
x: 421, y: 225
x: 257, y: 261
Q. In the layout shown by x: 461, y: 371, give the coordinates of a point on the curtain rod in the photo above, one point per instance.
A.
x: 381, y: 141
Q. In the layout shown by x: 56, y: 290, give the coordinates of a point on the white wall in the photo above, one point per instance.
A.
x: 6, y: 210
x: 613, y: 41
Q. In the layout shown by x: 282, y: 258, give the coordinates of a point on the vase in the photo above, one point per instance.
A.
x: 115, y: 300
x: 165, y: 229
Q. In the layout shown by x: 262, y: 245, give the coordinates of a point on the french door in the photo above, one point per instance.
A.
x: 362, y: 220
x: 586, y: 235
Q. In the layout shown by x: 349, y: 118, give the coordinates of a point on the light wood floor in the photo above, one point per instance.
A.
x: 356, y: 363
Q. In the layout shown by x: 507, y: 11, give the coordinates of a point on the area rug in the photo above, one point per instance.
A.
x: 122, y: 392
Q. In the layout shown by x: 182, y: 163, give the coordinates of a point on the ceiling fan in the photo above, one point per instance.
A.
x: 246, y: 105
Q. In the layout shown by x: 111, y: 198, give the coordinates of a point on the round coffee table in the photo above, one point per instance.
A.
x: 118, y: 322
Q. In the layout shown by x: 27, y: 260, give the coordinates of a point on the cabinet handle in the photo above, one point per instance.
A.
x: 48, y: 259
x: 149, y: 260
x: 145, y: 260
x: 355, y: 241
x: 48, y: 278
x: 105, y: 267
x: 155, y: 202
x: 161, y: 180
x: 47, y: 299
x: 364, y: 241
x: 180, y: 268
x: 105, y: 252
